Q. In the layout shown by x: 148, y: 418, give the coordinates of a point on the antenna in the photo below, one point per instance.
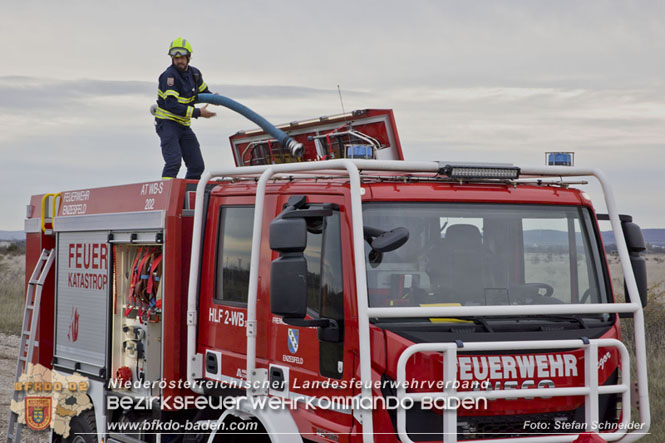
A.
x: 340, y: 99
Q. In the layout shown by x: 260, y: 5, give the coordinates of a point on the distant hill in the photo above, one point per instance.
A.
x: 542, y: 237
x: 12, y: 235
x: 549, y: 237
x: 546, y: 237
x: 655, y: 237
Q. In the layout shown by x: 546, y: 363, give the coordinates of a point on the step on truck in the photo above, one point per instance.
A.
x: 329, y: 291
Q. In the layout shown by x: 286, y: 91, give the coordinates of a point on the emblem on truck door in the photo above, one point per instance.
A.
x: 293, y: 340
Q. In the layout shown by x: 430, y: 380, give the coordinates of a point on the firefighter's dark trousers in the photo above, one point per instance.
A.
x: 179, y: 143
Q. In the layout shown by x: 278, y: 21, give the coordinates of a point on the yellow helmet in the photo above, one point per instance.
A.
x: 180, y: 47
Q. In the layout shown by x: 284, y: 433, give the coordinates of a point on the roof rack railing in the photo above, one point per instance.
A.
x: 352, y: 169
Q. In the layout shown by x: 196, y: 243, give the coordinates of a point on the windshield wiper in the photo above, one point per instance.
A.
x: 480, y: 321
x: 568, y: 318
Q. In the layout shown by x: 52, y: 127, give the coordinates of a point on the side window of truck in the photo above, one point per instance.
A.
x: 325, y: 290
x: 234, y: 248
x: 324, y: 268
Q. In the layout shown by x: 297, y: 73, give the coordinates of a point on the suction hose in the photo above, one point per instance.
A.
x: 296, y: 149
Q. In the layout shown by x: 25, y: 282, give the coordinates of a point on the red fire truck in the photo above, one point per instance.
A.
x: 337, y: 293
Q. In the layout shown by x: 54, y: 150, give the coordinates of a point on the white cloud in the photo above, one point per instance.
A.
x: 495, y: 81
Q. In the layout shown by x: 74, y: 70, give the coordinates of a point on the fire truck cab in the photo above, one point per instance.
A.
x: 347, y: 296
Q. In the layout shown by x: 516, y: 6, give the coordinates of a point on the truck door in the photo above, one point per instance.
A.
x: 224, y: 286
x: 302, y: 364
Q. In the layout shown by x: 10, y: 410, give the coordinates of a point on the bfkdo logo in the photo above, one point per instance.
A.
x: 38, y: 412
x: 48, y: 399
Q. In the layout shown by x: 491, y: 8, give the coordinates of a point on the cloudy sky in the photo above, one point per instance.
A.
x: 498, y: 81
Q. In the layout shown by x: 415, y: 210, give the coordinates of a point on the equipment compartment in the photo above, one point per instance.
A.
x: 137, y: 314
x: 83, y: 282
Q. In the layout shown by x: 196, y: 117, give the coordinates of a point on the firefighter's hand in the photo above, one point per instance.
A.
x: 207, y: 114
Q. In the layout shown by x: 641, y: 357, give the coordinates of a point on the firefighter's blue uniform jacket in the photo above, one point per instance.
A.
x: 175, y: 108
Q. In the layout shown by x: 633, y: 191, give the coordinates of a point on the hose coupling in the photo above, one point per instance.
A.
x: 296, y: 149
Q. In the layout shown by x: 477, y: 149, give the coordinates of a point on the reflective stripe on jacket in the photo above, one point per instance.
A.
x: 177, y: 92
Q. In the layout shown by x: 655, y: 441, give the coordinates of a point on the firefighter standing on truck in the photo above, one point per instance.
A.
x: 178, y: 88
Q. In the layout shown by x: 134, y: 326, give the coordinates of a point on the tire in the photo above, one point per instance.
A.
x: 82, y: 428
x: 240, y: 437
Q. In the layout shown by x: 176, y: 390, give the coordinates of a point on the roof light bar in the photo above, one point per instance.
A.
x: 479, y: 171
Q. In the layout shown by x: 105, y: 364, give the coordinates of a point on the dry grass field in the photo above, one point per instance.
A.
x: 655, y: 336
x: 11, y: 314
x: 655, y: 272
x: 12, y: 272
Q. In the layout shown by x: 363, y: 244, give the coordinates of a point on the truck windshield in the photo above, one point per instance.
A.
x: 484, y: 254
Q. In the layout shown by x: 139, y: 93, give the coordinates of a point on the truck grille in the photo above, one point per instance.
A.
x: 470, y: 428
x: 427, y: 426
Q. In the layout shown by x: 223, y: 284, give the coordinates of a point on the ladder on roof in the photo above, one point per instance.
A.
x: 30, y: 320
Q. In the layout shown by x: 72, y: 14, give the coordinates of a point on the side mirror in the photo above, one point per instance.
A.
x: 384, y: 241
x: 636, y: 244
x: 288, y: 287
x: 390, y: 240
x: 288, y: 235
x: 288, y: 273
x: 634, y: 238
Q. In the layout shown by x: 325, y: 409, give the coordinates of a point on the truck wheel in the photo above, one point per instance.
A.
x: 82, y: 428
x: 258, y: 435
